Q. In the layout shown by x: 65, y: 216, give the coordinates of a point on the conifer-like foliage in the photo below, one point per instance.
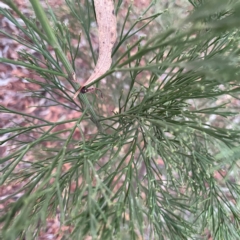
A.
x: 154, y: 168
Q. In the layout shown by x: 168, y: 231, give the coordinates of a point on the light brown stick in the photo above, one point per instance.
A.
x: 107, y: 35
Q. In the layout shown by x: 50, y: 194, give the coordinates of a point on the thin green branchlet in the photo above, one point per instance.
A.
x: 52, y: 40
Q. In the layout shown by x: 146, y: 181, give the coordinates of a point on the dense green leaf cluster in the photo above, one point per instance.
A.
x: 157, y: 167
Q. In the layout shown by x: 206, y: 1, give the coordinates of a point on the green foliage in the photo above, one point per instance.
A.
x: 157, y: 168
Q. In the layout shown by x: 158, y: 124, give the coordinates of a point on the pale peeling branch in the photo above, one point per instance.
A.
x: 107, y: 35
